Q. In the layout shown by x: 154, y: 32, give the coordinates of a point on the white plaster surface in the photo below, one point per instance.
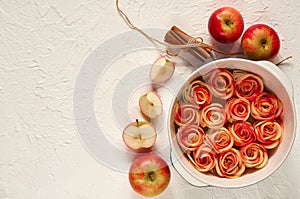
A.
x: 43, y: 45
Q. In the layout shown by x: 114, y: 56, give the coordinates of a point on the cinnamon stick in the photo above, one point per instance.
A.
x: 176, y: 36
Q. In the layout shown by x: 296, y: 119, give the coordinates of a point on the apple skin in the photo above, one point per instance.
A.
x: 149, y: 175
x: 226, y: 25
x: 260, y: 42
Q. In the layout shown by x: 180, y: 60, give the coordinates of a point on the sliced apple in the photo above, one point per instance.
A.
x: 139, y: 135
x: 150, y: 105
x: 162, y: 70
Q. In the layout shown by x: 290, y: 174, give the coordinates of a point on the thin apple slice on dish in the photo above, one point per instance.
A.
x: 139, y: 135
x: 150, y: 105
x: 162, y: 70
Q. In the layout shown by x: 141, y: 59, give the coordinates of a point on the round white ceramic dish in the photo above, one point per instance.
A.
x: 276, y: 81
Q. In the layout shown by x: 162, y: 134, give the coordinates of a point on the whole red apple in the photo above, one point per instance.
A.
x: 149, y: 175
x: 226, y: 25
x: 260, y: 42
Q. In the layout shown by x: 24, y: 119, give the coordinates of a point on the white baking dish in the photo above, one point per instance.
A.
x: 275, y: 80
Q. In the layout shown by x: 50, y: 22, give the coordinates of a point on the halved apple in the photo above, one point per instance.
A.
x: 139, y: 135
x: 150, y: 105
x: 162, y: 70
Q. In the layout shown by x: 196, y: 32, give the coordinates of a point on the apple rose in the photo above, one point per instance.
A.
x: 186, y: 114
x: 254, y: 155
x: 204, y: 158
x: 266, y: 107
x: 221, y: 83
x: 190, y: 137
x: 229, y: 164
x: 243, y: 133
x: 269, y: 133
x: 247, y: 85
x: 238, y: 109
x: 213, y: 116
x: 197, y: 93
x: 221, y: 139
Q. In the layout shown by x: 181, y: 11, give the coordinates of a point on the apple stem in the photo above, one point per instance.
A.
x: 289, y: 57
x: 137, y: 122
x: 264, y: 43
x: 228, y: 22
x: 151, y: 175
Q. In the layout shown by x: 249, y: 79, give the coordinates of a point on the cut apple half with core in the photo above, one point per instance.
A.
x: 150, y: 105
x: 139, y: 135
x: 162, y: 70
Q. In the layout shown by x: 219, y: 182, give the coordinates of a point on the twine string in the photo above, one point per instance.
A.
x: 190, y: 41
x: 193, y: 42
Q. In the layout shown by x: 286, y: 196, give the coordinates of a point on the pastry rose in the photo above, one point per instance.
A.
x: 254, y: 155
x: 198, y: 94
x: 269, y: 133
x: 237, y: 109
x: 243, y: 133
x: 213, y: 116
x: 190, y: 137
x: 247, y: 85
x: 186, y: 114
x: 266, y: 107
x: 220, y: 139
x: 221, y: 83
x: 229, y: 164
x: 204, y: 158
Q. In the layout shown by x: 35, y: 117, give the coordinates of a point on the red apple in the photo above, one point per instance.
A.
x: 260, y: 42
x: 139, y: 135
x: 226, y: 25
x: 149, y: 175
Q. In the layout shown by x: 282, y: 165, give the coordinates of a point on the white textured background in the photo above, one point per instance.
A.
x: 43, y: 44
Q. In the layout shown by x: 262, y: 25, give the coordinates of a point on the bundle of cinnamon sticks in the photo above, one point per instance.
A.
x: 201, y: 52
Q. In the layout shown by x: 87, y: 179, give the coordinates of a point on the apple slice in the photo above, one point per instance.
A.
x: 150, y: 105
x: 139, y: 135
x: 162, y: 70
